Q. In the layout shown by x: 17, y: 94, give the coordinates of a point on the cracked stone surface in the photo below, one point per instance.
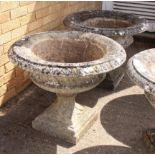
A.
x: 123, y: 115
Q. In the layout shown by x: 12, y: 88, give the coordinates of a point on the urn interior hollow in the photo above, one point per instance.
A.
x: 67, y: 54
x: 99, y: 22
x: 68, y: 51
x: 109, y: 23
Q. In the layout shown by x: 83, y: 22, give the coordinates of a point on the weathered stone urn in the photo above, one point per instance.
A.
x: 116, y: 25
x: 66, y: 63
x: 141, y: 70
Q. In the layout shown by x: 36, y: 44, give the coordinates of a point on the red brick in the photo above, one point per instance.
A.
x: 1, y: 50
x: 8, y: 95
x: 4, y: 17
x: 2, y: 70
x: 3, y: 90
x: 34, y: 25
x: 10, y: 25
x: 18, y: 12
x: 37, y: 5
x: 9, y: 66
x: 22, y: 3
x: 27, y: 18
x: 19, y: 32
x: 42, y: 12
x: 7, y: 77
x: 3, y: 59
x: 4, y: 6
x: 6, y: 37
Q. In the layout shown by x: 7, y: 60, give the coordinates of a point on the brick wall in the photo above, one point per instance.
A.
x: 22, y: 18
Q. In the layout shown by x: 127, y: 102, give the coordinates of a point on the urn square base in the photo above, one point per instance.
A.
x: 68, y: 121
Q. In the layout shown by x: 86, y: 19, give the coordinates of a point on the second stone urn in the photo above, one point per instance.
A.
x: 116, y: 25
x: 66, y: 63
x: 141, y: 70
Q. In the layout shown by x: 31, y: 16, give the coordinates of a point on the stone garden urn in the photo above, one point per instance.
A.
x: 116, y: 25
x: 66, y: 63
x: 141, y: 70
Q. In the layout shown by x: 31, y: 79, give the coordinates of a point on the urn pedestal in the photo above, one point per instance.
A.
x: 66, y: 119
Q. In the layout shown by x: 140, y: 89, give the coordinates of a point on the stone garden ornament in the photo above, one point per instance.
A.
x: 66, y: 63
x: 116, y: 25
x: 141, y: 70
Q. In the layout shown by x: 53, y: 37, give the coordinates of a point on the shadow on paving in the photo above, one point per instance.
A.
x: 126, y: 118
x: 17, y: 134
x: 109, y: 149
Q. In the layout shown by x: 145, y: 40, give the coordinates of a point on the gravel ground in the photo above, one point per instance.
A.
x: 123, y: 115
